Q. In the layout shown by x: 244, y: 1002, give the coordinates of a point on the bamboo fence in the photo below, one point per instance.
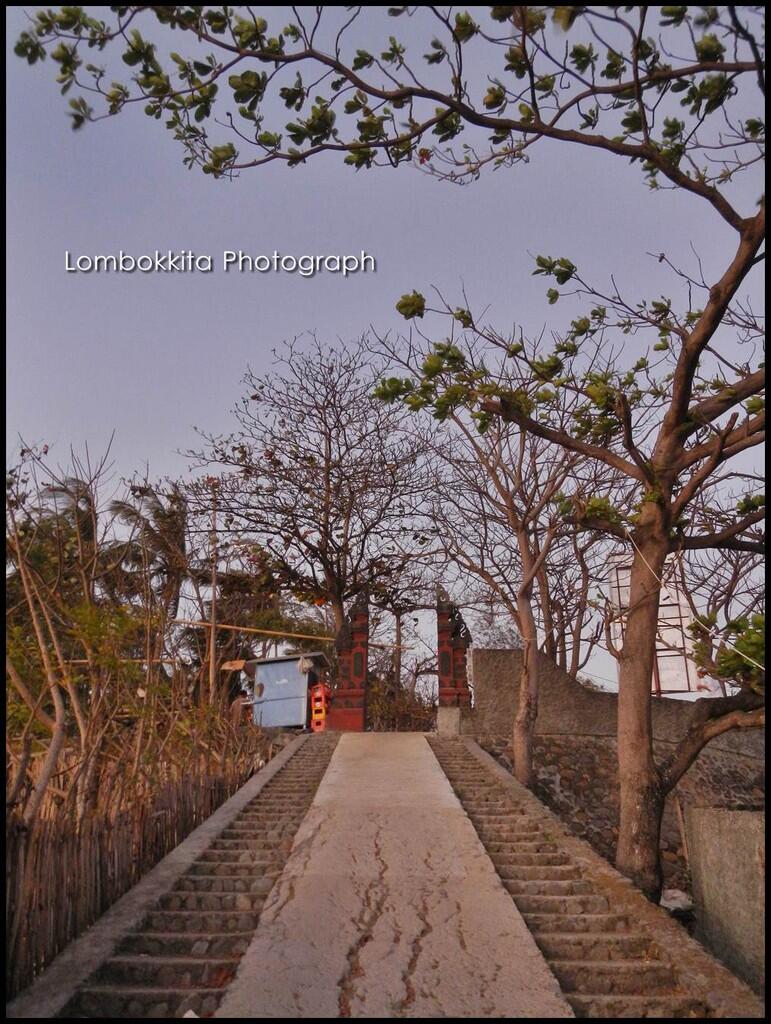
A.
x: 61, y: 874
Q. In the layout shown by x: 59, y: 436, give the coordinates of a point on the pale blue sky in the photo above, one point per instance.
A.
x: 150, y: 356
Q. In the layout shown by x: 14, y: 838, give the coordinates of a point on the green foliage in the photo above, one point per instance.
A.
x: 465, y: 27
x: 632, y: 120
x: 248, y: 87
x: 391, y: 389
x: 362, y: 60
x: 361, y: 158
x: 755, y: 127
x: 394, y: 54
x: 495, y: 97
x: 448, y: 126
x: 220, y: 158
x: 583, y: 57
x: 547, y: 367
x: 437, y: 54
x: 709, y: 93
x: 516, y: 61
x: 562, y: 269
x: 411, y: 305
x: 586, y: 512
x: 755, y: 405
x: 315, y: 129
x: 615, y: 66
x: 565, y: 16
x: 185, y: 93
x: 601, y: 508
x: 709, y: 49
x: 673, y: 15
x: 464, y: 318
x: 751, y: 503
x: 741, y: 650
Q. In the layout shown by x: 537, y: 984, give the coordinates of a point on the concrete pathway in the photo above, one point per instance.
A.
x: 388, y: 905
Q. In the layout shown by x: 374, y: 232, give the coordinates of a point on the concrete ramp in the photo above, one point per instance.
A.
x: 389, y: 906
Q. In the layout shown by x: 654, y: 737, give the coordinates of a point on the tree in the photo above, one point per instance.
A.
x: 726, y: 592
x: 318, y: 475
x: 494, y: 510
x: 690, y: 122
x: 101, y: 736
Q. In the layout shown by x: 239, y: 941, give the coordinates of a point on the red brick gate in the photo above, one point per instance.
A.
x: 349, y: 703
x: 348, y: 712
x: 453, y: 640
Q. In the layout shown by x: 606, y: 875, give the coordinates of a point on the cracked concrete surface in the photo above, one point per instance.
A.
x: 389, y: 906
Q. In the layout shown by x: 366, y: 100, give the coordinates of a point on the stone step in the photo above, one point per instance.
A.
x: 291, y: 809
x: 538, y: 872
x: 251, y: 834
x: 562, y: 904
x: 511, y: 833
x: 130, y: 971
x: 554, y: 887
x: 632, y: 977
x: 477, y: 803
x: 596, y: 946
x: 254, y: 883
x: 190, y: 944
x: 258, y: 851
x: 520, y: 846
x: 276, y: 800
x: 261, y: 822
x: 211, y: 922
x: 289, y: 794
x: 186, y: 951
x: 231, y: 868
x: 217, y: 901
x: 637, y: 1007
x: 571, y: 924
x: 105, y: 1002
x: 264, y: 843
x: 535, y: 860
x: 503, y: 824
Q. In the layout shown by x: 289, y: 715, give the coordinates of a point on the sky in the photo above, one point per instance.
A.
x: 150, y: 357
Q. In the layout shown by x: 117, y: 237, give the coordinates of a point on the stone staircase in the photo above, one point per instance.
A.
x: 607, y: 963
x: 186, y: 951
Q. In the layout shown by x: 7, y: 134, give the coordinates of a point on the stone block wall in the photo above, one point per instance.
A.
x: 728, y: 869
x: 575, y: 755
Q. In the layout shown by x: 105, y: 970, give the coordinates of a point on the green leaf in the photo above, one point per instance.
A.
x: 709, y: 49
x: 465, y: 27
x: 495, y: 97
x: 411, y: 305
x: 565, y: 16
x: 362, y: 60
x: 754, y: 405
x: 673, y: 15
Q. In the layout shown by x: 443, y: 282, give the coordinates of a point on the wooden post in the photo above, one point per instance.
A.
x: 213, y: 617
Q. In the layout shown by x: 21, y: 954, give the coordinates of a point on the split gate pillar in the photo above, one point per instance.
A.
x: 348, y: 712
x: 453, y: 640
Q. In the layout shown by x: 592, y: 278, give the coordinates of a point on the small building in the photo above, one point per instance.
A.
x: 674, y: 668
x: 278, y: 687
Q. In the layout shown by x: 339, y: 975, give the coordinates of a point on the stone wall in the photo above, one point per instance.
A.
x: 575, y: 755
x: 728, y: 855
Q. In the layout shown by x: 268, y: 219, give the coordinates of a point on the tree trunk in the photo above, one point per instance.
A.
x: 398, y: 651
x: 338, y: 614
x: 641, y: 797
x: 527, y: 705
